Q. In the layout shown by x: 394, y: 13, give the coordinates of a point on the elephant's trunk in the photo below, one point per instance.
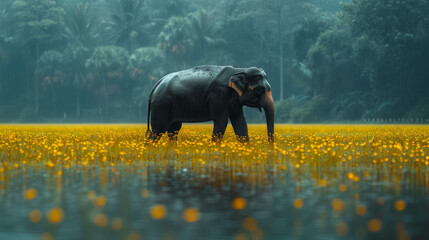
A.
x: 268, y: 104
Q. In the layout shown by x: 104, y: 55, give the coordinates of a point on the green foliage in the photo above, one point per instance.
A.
x: 299, y: 79
x: 107, y: 77
x: 50, y: 81
x: 392, y: 43
x: 303, y: 109
x: 50, y: 60
x: 49, y: 69
x: 75, y: 56
x: 306, y: 35
x: 37, y: 20
x: 352, y: 106
x: 167, y: 8
x: 391, y: 22
x: 205, y: 28
x: 146, y: 66
x: 81, y: 25
x: 107, y: 58
x: 147, y: 58
x: 175, y: 40
x: 331, y: 65
x: 193, y: 39
x: 378, y: 48
x: 127, y: 25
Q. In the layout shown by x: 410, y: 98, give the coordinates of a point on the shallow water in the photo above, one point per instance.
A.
x: 148, y: 197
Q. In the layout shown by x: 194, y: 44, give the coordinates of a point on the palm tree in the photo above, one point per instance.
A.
x: 175, y: 40
x: 36, y: 26
x: 49, y: 76
x: 106, y: 65
x: 81, y: 33
x: 4, y: 61
x: 3, y: 55
x: 81, y: 26
x: 204, y: 30
x: 75, y: 57
x: 126, y: 25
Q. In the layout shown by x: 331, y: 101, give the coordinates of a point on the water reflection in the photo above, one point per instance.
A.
x: 176, y: 203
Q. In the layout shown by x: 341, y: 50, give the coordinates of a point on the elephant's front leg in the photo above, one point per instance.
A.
x: 240, y: 126
x: 220, y: 124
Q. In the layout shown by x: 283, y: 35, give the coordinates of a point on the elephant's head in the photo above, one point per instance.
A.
x: 255, y: 91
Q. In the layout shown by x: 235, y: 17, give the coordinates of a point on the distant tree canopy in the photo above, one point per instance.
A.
x: 36, y: 22
x: 393, y: 45
x: 81, y: 60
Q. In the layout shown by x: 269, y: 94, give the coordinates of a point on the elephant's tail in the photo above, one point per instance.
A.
x: 148, y: 119
x: 148, y: 107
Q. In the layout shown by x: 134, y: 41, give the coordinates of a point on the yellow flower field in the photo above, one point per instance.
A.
x: 358, y: 151
x: 357, y: 173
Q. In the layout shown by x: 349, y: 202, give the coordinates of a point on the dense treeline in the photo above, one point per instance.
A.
x: 97, y: 60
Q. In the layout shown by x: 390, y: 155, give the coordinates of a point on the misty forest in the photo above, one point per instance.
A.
x: 327, y: 61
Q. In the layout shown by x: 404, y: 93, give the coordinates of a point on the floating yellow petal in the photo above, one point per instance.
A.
x: 158, y: 211
x: 298, y: 203
x: 342, y: 187
x: 191, y: 215
x: 30, y: 193
x: 100, y: 201
x: 35, y: 216
x: 400, y: 205
x: 361, y: 210
x: 337, y: 204
x: 238, y: 203
x: 374, y: 225
x: 101, y: 220
x: 55, y: 215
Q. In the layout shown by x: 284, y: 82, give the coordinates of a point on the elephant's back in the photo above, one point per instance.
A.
x: 195, y: 80
x: 204, y: 72
x: 197, y: 74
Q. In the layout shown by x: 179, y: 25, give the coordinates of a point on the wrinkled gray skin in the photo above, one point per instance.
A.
x: 209, y: 93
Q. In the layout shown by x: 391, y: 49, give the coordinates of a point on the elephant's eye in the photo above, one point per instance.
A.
x: 260, y: 90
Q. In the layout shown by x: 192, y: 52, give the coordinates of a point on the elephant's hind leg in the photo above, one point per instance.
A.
x: 155, y: 135
x: 159, y: 127
x: 173, y: 130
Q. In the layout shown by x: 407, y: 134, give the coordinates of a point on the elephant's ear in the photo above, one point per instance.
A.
x: 237, y: 83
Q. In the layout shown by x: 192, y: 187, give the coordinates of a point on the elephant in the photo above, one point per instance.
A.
x: 209, y: 93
